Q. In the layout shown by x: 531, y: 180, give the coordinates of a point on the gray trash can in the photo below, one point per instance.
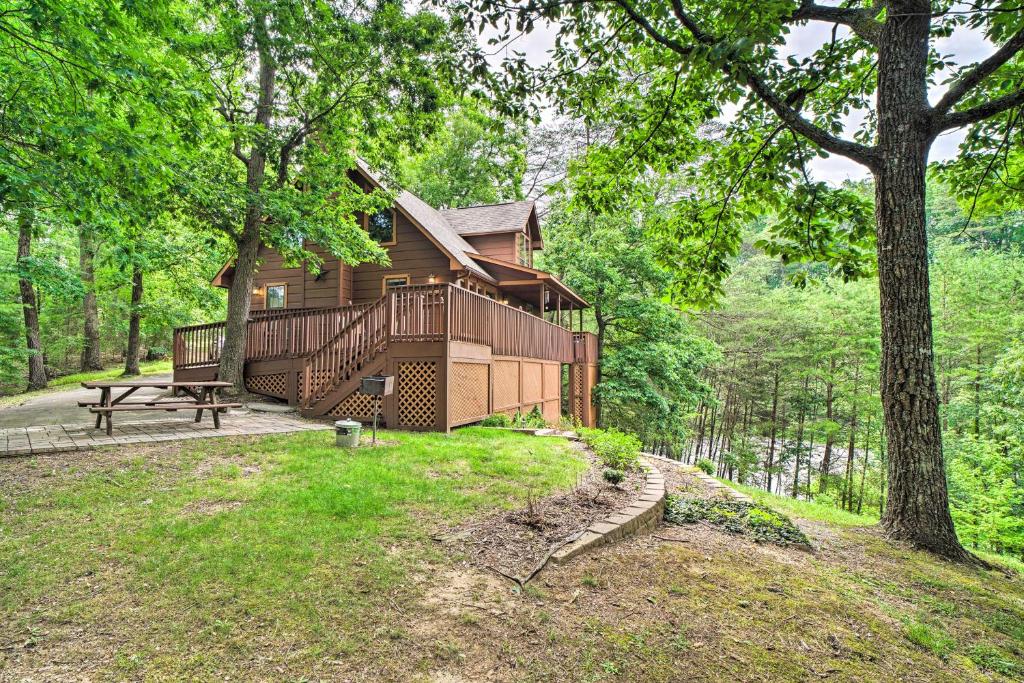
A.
x: 346, y: 433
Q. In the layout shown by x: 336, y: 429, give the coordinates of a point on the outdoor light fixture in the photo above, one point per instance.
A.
x: 431, y: 278
x: 257, y: 290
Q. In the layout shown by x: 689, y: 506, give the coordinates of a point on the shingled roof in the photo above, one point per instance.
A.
x: 431, y: 220
x: 479, y: 220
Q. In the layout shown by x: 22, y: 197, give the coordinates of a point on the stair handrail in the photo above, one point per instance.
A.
x: 332, y: 363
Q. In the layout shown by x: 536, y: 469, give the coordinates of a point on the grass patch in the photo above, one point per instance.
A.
x: 934, y: 639
x: 158, y: 367
x: 318, y: 544
x: 806, y: 509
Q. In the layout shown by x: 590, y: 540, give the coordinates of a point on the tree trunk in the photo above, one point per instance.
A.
x: 800, y: 439
x: 826, y: 459
x: 131, y: 357
x: 232, y: 358
x: 36, y: 367
x: 90, y: 313
x: 864, y: 469
x: 770, y: 461
x: 977, y: 390
x: 848, y: 491
x: 918, y: 505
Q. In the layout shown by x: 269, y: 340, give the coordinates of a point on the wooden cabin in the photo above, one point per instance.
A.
x: 460, y: 317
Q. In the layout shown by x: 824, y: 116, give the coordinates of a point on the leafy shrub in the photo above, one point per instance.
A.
x: 614, y: 476
x: 616, y: 450
x: 535, y: 418
x: 706, y: 466
x: 739, y: 517
x: 497, y: 420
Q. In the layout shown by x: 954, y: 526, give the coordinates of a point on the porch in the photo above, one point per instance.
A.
x: 457, y: 356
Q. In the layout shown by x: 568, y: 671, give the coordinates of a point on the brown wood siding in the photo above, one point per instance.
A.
x: 322, y: 293
x: 414, y: 255
x: 273, y: 270
x: 502, y: 245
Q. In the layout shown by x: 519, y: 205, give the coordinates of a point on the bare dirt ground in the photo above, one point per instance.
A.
x: 514, y: 543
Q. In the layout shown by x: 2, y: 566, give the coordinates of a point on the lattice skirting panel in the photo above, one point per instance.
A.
x: 506, y: 384
x: 467, y: 392
x: 417, y: 393
x: 358, y: 406
x: 533, y: 383
x: 269, y: 385
x: 318, y: 376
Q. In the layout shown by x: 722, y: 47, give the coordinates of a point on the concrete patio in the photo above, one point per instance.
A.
x: 19, y: 441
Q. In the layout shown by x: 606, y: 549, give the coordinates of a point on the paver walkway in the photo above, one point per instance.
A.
x: 78, y: 437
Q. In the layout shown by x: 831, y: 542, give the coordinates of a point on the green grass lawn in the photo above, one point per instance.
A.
x: 157, y: 367
x: 207, y: 550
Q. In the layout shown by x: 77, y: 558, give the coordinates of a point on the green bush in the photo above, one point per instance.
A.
x: 739, y: 517
x: 614, y: 476
x: 535, y: 418
x: 706, y: 466
x: 497, y: 420
x: 616, y: 450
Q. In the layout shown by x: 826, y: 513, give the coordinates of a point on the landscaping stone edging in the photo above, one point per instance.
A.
x: 642, y: 515
x: 707, y: 479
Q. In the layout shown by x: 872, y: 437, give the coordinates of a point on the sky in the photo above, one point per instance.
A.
x: 965, y: 45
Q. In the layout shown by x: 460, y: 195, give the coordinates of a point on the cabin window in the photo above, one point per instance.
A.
x: 277, y: 296
x: 523, y: 249
x: 394, y: 281
x: 381, y: 226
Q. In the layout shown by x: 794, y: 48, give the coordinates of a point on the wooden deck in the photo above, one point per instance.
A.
x: 452, y: 352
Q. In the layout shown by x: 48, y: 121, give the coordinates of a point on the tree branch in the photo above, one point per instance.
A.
x: 981, y: 112
x: 746, y: 76
x: 860, y: 20
x: 982, y: 70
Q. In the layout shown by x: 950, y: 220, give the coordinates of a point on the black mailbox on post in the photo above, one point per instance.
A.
x: 378, y: 385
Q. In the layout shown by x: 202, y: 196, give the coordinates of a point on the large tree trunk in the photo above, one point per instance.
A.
x: 232, y: 358
x: 90, y: 312
x: 131, y: 357
x: 918, y: 505
x: 36, y: 367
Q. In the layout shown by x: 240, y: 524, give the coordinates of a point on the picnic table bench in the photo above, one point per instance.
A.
x: 198, y: 396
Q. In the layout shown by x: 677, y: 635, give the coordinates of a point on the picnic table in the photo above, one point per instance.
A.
x: 197, y: 396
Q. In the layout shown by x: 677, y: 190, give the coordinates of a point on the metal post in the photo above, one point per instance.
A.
x: 376, y: 412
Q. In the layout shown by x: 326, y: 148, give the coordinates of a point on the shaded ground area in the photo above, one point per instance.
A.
x: 284, y: 558
x: 61, y: 407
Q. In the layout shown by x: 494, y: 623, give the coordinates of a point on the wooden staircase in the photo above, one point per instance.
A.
x: 333, y: 372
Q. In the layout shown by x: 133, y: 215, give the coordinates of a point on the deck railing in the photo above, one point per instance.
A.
x: 295, y: 333
x: 198, y: 345
x: 416, y: 313
x: 338, y: 359
x: 508, y: 331
x: 584, y: 347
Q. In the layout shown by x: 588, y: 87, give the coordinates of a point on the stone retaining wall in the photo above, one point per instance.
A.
x: 642, y: 515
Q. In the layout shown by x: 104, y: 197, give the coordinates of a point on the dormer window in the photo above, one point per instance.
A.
x: 381, y: 226
x: 523, y: 255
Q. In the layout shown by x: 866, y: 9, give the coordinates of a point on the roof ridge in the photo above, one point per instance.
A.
x: 484, y: 206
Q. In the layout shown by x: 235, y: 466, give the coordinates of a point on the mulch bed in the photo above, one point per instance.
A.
x: 515, y: 543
